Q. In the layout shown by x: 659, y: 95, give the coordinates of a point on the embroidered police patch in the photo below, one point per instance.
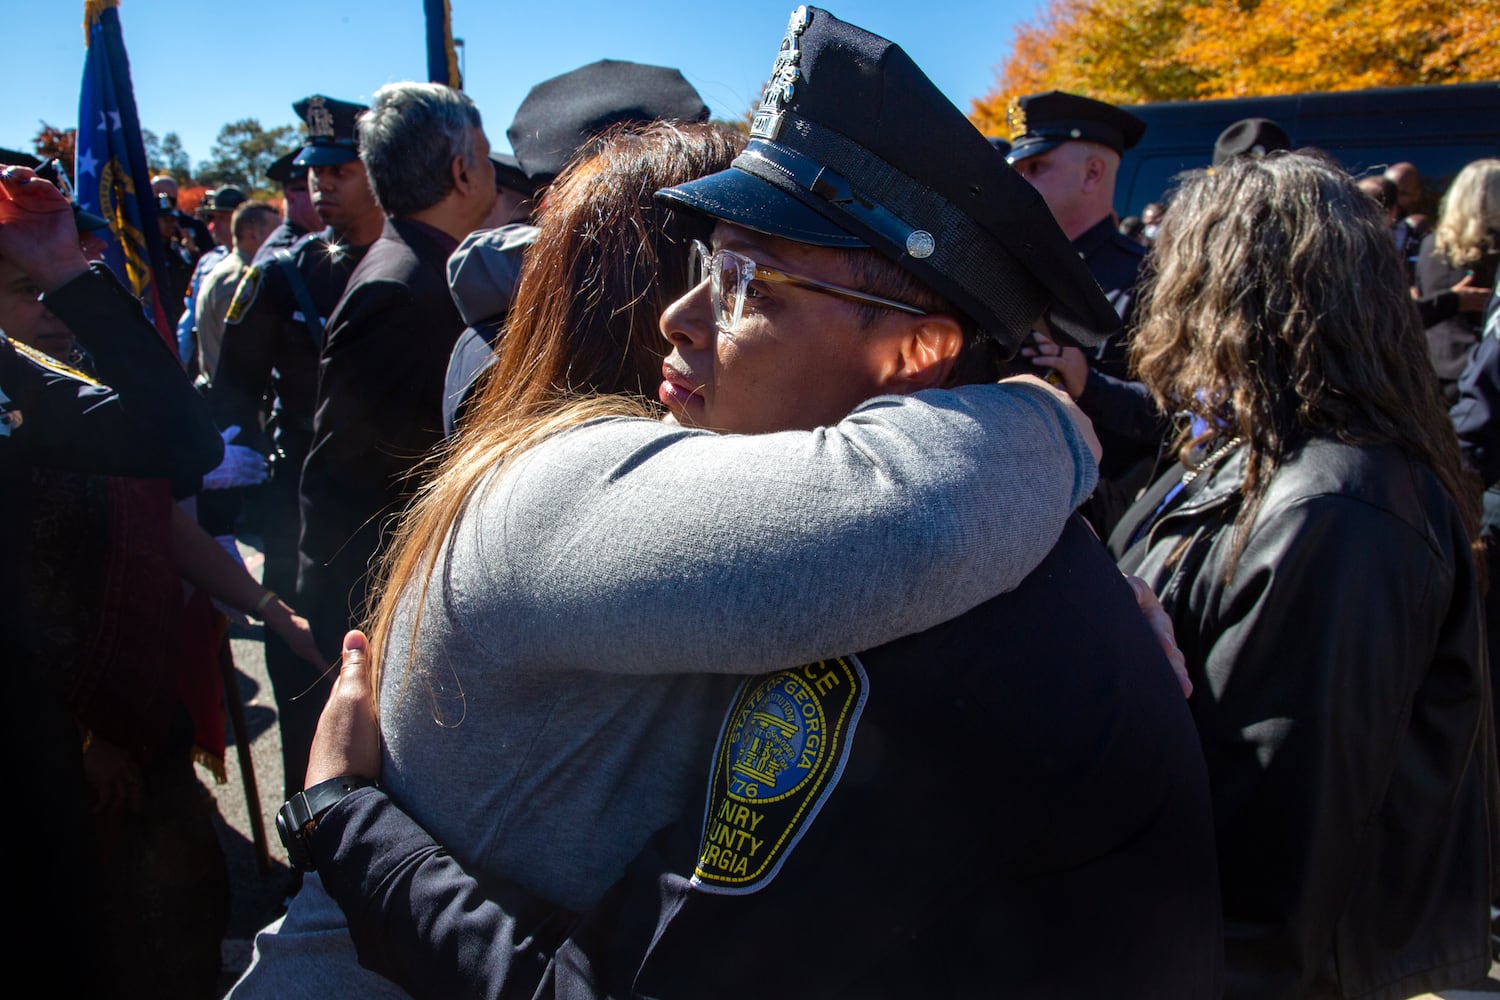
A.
x: 781, y: 752
x: 244, y: 295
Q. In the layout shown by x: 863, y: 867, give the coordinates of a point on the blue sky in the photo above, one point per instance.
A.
x: 197, y: 64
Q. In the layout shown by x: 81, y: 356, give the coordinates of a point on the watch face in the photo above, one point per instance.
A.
x: 291, y: 826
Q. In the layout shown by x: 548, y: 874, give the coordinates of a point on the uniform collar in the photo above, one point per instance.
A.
x: 1096, y: 236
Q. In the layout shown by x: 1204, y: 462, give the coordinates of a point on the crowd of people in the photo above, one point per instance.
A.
x: 849, y: 525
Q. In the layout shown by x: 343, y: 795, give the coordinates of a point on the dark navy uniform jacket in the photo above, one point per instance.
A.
x: 1013, y: 803
x: 270, y: 344
x: 283, y: 237
x: 379, y: 413
x: 1115, y: 262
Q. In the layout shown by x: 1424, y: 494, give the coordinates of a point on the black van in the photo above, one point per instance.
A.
x: 1437, y: 128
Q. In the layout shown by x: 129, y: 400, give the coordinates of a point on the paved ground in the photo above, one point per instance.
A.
x: 257, y: 897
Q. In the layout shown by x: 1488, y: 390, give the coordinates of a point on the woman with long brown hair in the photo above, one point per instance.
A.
x: 1313, y: 551
x: 568, y: 601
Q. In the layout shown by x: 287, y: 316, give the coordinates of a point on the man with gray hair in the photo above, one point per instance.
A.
x: 380, y: 381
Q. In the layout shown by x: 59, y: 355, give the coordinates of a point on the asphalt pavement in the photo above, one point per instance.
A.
x: 257, y: 893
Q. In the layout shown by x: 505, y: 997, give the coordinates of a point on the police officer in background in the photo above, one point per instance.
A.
x: 298, y: 218
x: 273, y: 335
x: 1069, y: 148
x: 217, y: 212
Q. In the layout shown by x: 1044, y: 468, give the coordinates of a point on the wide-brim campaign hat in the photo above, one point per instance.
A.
x: 330, y: 124
x: 224, y: 199
x: 1039, y: 123
x: 561, y: 114
x: 855, y: 147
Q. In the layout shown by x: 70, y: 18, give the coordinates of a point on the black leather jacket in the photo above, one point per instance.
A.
x: 1342, y: 702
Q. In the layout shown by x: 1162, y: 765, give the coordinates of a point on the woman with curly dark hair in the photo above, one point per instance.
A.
x: 1314, y: 553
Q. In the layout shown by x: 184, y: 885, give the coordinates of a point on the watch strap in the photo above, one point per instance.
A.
x: 298, y: 817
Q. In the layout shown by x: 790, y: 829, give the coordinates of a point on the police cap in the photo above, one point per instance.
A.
x: 855, y: 147
x: 330, y: 131
x: 282, y: 171
x: 508, y: 174
x: 54, y: 172
x: 561, y: 114
x: 1043, y: 122
x: 1250, y: 136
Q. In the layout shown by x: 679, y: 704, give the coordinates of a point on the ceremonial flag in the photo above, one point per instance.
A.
x: 112, y: 177
x: 442, y: 58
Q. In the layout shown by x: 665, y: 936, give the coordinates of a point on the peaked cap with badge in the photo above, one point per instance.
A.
x: 1042, y: 122
x: 855, y: 147
x: 330, y: 131
x: 561, y: 114
x: 281, y: 170
x: 54, y: 172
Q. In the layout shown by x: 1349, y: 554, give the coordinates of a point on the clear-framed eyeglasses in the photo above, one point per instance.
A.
x: 729, y: 275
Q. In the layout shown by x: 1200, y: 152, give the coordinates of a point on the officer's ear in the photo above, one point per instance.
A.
x: 922, y: 352
x: 1094, y: 171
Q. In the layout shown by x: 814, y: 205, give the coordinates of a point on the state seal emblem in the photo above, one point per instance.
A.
x: 780, y: 754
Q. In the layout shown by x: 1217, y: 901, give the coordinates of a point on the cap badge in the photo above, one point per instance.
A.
x: 785, y: 73
x: 1015, y: 119
x: 920, y: 244
x: 319, y: 120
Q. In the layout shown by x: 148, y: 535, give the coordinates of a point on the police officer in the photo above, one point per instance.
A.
x: 217, y: 212
x: 1069, y: 148
x: 298, y: 216
x: 273, y: 334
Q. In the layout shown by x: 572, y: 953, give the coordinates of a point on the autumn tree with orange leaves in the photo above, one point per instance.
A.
x: 1136, y: 51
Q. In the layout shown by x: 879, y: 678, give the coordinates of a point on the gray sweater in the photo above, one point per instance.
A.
x: 593, y: 603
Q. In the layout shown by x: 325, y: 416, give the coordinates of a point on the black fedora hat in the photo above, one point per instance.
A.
x: 561, y: 114
x: 855, y: 147
x: 330, y: 131
x: 1250, y: 137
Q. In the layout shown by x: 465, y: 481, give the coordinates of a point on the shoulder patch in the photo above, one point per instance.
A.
x: 244, y: 294
x: 780, y: 754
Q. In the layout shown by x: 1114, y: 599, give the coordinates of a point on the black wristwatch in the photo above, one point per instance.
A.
x: 299, y: 816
